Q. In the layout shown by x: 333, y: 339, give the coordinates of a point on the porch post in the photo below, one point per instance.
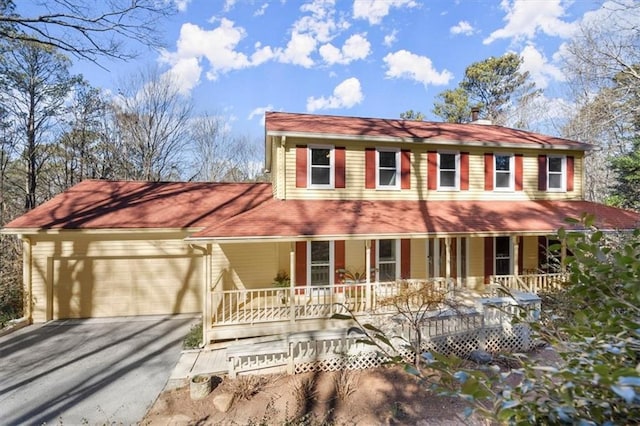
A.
x: 447, y: 260
x: 367, y: 263
x: 516, y: 251
x: 292, y: 281
x: 206, y: 295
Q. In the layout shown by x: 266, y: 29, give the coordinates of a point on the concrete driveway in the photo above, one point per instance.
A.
x: 88, y: 371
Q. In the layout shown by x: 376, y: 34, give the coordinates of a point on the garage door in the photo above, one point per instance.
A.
x: 103, y: 287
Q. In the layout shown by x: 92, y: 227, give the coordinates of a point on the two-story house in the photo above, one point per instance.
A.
x: 354, y: 205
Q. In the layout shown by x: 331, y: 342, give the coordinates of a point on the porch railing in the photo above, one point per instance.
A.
x: 532, y: 283
x: 251, y: 306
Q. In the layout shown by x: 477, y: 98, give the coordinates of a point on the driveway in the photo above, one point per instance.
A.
x: 88, y: 371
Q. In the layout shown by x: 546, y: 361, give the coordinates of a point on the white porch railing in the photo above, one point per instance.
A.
x: 252, y: 306
x: 532, y: 283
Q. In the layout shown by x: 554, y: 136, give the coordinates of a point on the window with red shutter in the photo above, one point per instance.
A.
x: 301, y: 166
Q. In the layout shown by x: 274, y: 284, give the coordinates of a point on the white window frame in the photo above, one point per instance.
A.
x: 434, y: 256
x: 397, y: 259
x: 512, y: 174
x: 457, y: 172
x: 562, y: 173
x: 495, y: 257
x: 331, y: 167
x: 398, y: 172
x: 331, y: 263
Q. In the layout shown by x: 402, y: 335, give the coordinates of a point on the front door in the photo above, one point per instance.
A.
x: 320, y: 264
x: 503, y: 256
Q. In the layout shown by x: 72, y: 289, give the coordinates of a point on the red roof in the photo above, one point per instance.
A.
x: 100, y: 204
x: 307, y: 218
x: 247, y: 210
x: 284, y: 122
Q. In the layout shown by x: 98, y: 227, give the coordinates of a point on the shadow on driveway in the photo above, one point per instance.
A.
x: 88, y: 371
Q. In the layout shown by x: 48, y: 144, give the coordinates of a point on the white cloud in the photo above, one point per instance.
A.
x: 389, y: 39
x: 218, y: 46
x: 463, y: 27
x: 259, y: 112
x: 186, y: 74
x: 261, y: 10
x: 539, y: 68
x: 356, y: 47
x: 375, y: 10
x: 181, y: 5
x: 321, y: 22
x: 404, y: 64
x: 228, y: 5
x: 525, y: 18
x: 298, y: 50
x: 346, y: 95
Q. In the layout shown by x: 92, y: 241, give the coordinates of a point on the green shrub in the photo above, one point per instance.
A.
x: 193, y: 339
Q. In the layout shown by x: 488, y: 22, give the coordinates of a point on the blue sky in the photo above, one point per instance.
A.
x: 373, y: 58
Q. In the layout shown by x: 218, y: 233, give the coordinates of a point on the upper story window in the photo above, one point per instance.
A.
x: 556, y: 173
x: 388, y: 168
x: 448, y: 170
x: 321, y: 167
x: 504, y: 172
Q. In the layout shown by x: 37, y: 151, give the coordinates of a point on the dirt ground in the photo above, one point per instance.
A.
x: 380, y: 396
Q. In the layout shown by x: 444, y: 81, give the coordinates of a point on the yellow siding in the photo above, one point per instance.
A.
x: 252, y: 265
x: 476, y: 263
x: 530, y: 261
x: 355, y: 256
x: 80, y: 275
x: 355, y: 176
x: 419, y: 258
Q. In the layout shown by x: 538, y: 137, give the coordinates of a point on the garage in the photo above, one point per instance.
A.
x: 90, y: 287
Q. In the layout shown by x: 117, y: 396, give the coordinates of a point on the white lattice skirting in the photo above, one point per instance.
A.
x: 450, y: 333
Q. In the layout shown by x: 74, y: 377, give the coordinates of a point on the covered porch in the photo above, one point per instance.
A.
x: 282, y: 287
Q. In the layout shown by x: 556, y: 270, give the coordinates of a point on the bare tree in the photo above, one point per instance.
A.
x: 86, y: 29
x: 602, y: 63
x: 222, y: 157
x: 152, y: 120
x: 36, y: 82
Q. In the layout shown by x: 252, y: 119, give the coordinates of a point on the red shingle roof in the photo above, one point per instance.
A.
x: 99, y: 204
x: 239, y: 211
x: 283, y: 123
x: 306, y: 218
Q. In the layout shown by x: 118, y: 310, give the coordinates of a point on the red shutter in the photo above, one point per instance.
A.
x: 488, y: 258
x: 370, y: 168
x: 520, y: 255
x: 488, y: 171
x: 519, y: 171
x: 340, y: 169
x: 405, y: 169
x: 570, y: 172
x: 301, y: 166
x: 542, y: 172
x: 301, y: 263
x: 338, y: 258
x: 432, y: 170
x: 464, y: 171
x: 405, y: 259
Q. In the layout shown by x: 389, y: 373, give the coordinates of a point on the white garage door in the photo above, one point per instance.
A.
x: 103, y: 287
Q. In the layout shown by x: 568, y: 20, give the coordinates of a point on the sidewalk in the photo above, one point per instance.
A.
x: 197, y: 361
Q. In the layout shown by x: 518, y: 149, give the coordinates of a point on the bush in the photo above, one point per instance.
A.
x: 193, y: 339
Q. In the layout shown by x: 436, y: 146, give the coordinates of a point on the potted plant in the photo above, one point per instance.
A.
x: 282, y: 280
x: 200, y: 386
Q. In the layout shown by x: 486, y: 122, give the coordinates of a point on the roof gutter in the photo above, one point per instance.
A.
x: 444, y: 142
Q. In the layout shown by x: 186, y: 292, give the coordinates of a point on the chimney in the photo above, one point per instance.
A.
x: 474, y: 114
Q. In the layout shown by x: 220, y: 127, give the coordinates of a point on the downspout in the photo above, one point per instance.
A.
x: 206, y: 318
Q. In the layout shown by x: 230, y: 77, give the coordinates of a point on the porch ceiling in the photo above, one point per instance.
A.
x: 296, y: 219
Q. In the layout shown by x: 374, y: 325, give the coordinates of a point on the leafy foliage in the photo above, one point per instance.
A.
x: 495, y: 85
x: 627, y: 169
x: 593, y: 326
